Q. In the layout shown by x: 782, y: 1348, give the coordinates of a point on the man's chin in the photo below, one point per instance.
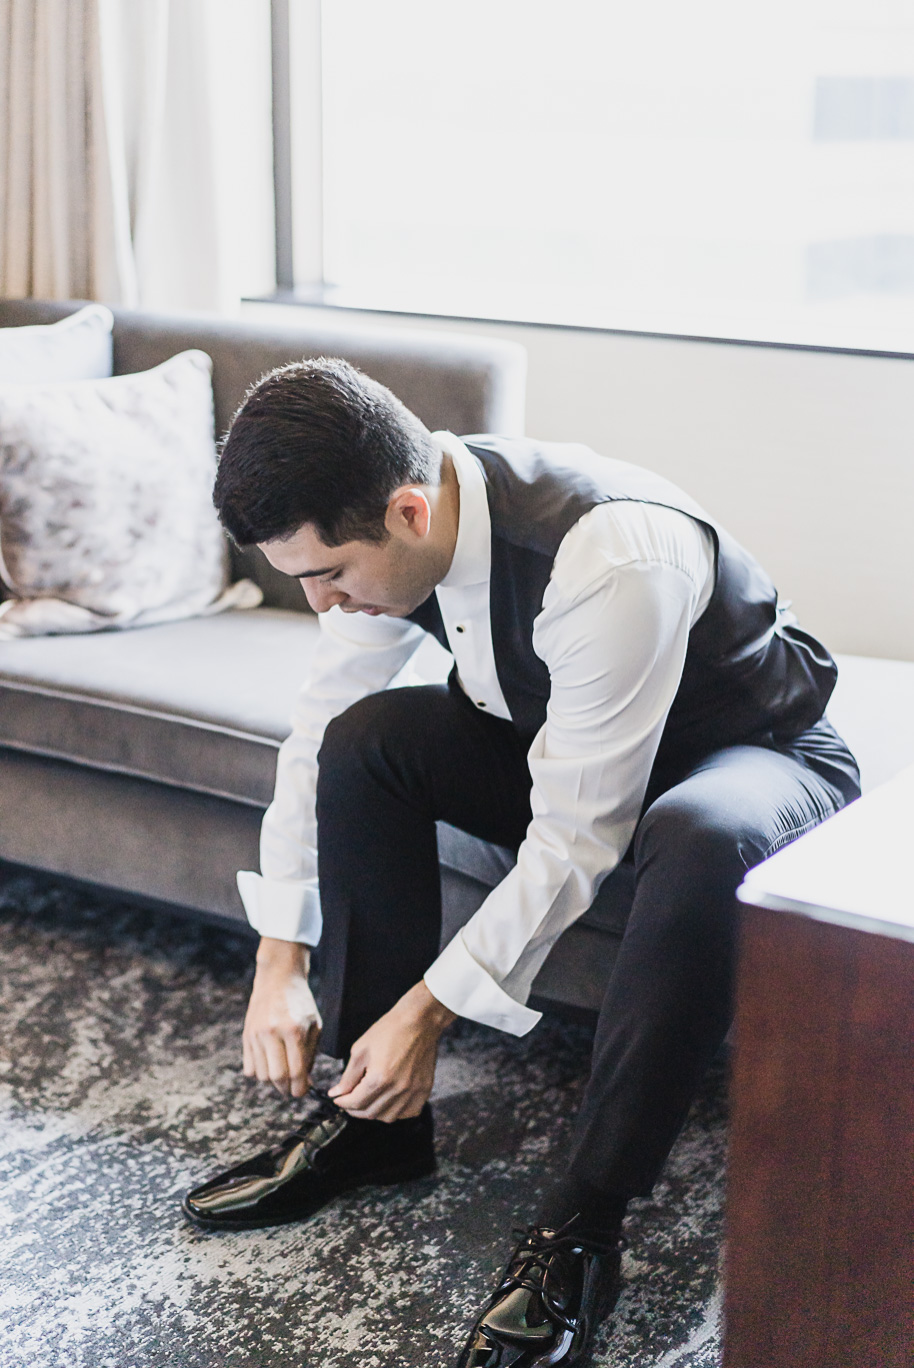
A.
x: 400, y: 611
x: 394, y: 611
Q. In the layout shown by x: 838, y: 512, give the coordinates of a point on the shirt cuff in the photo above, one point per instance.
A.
x: 288, y: 910
x: 458, y: 981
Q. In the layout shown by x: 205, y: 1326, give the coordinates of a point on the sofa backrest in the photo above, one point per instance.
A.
x: 450, y: 380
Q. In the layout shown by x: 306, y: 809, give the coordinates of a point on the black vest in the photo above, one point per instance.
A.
x: 749, y: 674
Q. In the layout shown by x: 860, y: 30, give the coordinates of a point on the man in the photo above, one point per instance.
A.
x: 626, y: 686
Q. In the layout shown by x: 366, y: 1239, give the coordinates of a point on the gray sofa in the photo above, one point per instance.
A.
x: 143, y: 760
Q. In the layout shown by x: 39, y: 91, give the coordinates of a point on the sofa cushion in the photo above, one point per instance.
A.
x: 873, y: 709
x: 201, y: 704
x: 75, y: 348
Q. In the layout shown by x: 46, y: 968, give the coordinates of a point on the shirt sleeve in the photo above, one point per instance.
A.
x: 355, y: 656
x: 627, y: 586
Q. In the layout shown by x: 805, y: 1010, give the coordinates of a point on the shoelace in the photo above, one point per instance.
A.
x: 325, y: 1110
x: 537, y: 1252
x: 326, y: 1107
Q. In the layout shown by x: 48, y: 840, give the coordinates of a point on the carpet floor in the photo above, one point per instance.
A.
x: 120, y: 1086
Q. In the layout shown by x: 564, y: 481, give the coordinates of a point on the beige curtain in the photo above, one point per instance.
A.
x: 64, y: 231
x: 124, y: 128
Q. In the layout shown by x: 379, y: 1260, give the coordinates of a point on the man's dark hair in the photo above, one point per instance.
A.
x: 319, y: 442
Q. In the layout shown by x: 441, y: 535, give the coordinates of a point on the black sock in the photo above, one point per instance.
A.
x: 587, y: 1211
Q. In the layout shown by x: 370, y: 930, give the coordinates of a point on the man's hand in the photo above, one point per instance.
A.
x: 392, y: 1066
x: 283, y: 1025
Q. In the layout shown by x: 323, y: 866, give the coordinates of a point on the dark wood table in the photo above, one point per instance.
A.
x: 820, y: 1244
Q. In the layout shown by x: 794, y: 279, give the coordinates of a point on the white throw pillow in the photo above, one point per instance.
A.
x: 76, y: 348
x: 106, y: 514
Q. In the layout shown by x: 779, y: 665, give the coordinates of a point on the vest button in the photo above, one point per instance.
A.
x: 480, y: 704
x: 459, y: 628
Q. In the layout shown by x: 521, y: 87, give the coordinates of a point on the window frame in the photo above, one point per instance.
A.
x: 299, y: 227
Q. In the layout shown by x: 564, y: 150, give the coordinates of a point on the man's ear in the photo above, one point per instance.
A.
x: 409, y: 512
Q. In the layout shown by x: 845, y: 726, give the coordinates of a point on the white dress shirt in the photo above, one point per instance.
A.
x: 629, y: 582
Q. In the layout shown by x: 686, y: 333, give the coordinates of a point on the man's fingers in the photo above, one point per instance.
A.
x: 297, y: 1063
x: 381, y: 1109
x: 366, y: 1094
x: 391, y: 1105
x: 312, y: 1040
x: 362, y: 1095
x: 353, y: 1072
x: 277, y: 1065
x: 247, y: 1058
x: 259, y: 1059
x: 283, y: 1060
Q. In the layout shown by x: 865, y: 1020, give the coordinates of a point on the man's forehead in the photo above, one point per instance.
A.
x: 303, y: 555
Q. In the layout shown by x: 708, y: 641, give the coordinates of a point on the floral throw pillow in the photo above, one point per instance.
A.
x: 106, y: 514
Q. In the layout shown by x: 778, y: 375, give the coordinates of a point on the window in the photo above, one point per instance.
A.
x: 710, y: 169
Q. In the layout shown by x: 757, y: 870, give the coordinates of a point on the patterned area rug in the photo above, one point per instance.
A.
x: 120, y: 1085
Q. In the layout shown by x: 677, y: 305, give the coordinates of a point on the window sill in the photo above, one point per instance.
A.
x: 353, y: 301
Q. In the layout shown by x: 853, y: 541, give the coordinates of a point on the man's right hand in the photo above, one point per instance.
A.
x: 283, y: 1025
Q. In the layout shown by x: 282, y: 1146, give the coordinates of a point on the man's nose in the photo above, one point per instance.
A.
x: 321, y: 596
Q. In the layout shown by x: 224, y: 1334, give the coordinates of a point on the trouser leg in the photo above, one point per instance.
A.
x: 389, y: 768
x: 667, y: 1006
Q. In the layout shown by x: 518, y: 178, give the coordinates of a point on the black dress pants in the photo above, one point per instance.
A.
x: 398, y: 761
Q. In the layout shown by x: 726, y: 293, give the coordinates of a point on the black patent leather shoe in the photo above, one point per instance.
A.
x: 552, y: 1295
x: 330, y: 1154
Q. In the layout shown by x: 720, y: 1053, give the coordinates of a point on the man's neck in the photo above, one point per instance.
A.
x: 446, y: 510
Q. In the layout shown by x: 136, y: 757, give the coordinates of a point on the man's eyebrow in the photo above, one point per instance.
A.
x: 308, y: 574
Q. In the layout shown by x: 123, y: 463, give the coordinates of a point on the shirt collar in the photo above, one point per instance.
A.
x: 473, y: 551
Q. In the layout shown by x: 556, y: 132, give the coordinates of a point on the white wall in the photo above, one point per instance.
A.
x: 807, y: 457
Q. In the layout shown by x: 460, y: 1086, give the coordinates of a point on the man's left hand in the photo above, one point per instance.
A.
x: 391, y: 1068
